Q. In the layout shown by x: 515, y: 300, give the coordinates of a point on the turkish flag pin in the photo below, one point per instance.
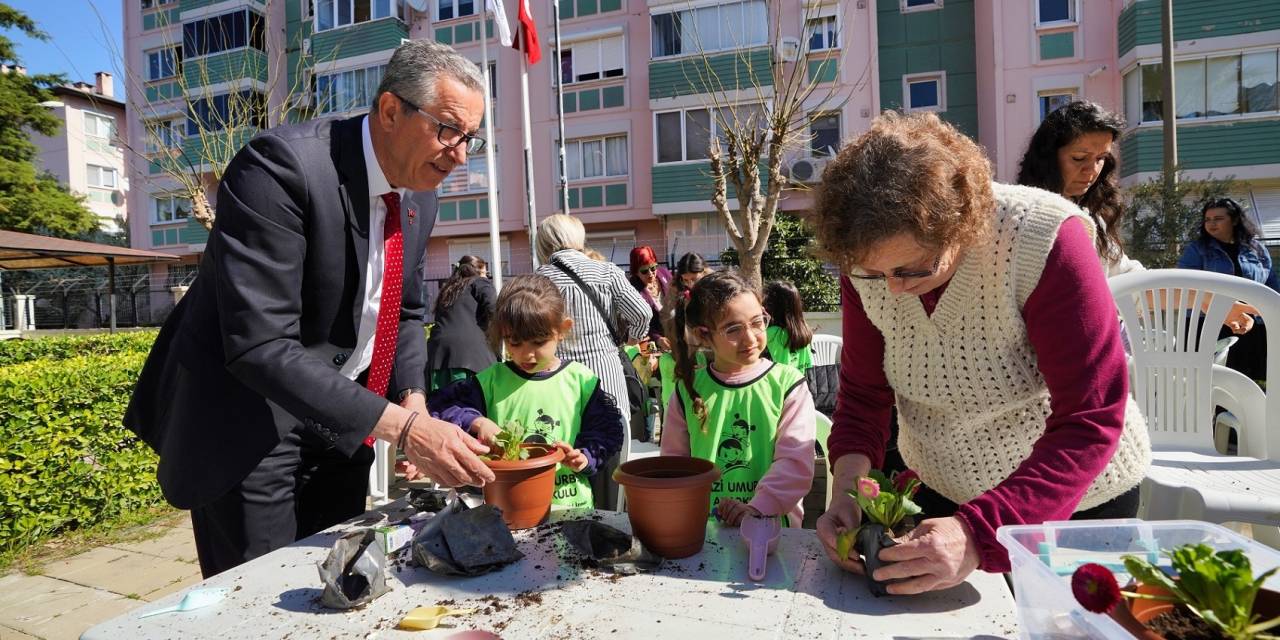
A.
x: 413, y: 213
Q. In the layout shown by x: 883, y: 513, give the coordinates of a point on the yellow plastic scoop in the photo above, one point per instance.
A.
x: 425, y: 618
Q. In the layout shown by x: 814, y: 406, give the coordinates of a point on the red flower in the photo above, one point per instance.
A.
x: 1095, y: 588
x: 901, y: 479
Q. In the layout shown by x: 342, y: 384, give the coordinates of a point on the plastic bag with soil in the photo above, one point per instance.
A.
x: 608, y: 548
x: 465, y: 541
x: 355, y: 571
x: 873, y: 537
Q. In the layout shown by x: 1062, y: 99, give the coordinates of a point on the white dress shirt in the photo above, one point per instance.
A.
x: 378, y: 185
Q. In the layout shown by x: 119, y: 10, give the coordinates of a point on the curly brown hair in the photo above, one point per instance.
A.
x: 908, y: 174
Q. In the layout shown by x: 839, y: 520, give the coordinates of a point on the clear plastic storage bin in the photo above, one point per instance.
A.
x: 1044, y: 557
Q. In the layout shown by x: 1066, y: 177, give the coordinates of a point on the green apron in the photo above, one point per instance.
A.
x: 551, y: 407
x: 741, y: 427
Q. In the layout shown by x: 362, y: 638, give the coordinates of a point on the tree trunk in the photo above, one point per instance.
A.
x: 201, y: 210
x: 749, y: 265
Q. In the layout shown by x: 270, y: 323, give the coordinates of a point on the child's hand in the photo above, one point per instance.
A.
x: 731, y: 512
x: 485, y: 430
x: 573, y: 458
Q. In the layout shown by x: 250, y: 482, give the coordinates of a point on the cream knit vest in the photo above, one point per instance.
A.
x: 971, y: 402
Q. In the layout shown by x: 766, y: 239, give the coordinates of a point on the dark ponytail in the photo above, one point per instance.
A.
x: 785, y: 308
x: 706, y: 299
x: 467, y: 269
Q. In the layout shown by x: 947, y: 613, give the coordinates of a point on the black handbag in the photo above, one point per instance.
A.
x: 635, y: 388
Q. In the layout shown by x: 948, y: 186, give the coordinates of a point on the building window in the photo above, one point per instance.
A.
x: 163, y: 134
x: 164, y: 63
x: 686, y: 135
x: 347, y: 90
x: 100, y: 177
x: 590, y: 158
x: 227, y: 111
x: 1051, y: 101
x: 1208, y: 87
x: 822, y: 33
x: 169, y: 208
x: 308, y: 8
x: 587, y: 60
x: 705, y: 29
x: 824, y: 134
x: 152, y: 4
x: 99, y: 126
x: 1055, y: 12
x: 229, y: 31
x: 472, y: 177
x: 909, y: 6
x: 334, y: 14
x: 925, y: 92
x: 449, y: 9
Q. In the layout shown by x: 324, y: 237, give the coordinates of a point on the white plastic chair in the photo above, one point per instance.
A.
x: 1177, y: 385
x: 826, y: 349
x: 381, y: 473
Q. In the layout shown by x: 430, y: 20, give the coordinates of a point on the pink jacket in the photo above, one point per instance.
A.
x: 784, y: 486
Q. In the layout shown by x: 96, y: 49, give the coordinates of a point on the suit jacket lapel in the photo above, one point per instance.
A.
x: 353, y: 188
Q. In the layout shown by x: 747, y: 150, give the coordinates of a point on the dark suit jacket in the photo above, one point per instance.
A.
x: 255, y: 347
x: 458, y: 338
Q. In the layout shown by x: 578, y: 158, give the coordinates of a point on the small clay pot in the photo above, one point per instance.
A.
x: 873, y: 537
x: 1135, y: 613
x: 522, y: 488
x: 668, y: 501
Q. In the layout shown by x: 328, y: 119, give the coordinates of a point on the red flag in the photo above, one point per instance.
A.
x: 527, y: 38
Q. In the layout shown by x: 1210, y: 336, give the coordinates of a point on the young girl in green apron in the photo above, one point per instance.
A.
x: 788, y: 336
x: 751, y: 416
x: 562, y: 402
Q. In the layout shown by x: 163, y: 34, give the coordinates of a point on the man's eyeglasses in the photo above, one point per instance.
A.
x: 653, y: 268
x: 901, y: 274
x: 737, y: 331
x: 449, y: 135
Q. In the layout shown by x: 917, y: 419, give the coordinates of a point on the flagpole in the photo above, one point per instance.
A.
x: 528, y: 154
x: 495, y: 243
x: 559, y: 75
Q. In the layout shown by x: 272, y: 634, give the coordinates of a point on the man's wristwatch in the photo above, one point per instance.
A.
x: 410, y: 391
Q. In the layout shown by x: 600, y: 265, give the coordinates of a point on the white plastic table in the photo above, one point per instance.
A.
x: 702, y: 597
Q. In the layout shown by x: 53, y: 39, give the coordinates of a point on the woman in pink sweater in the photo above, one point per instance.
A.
x: 752, y: 417
x: 981, y: 312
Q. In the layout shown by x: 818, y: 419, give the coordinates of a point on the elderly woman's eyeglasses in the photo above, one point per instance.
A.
x: 737, y: 331
x: 901, y: 274
x: 449, y: 135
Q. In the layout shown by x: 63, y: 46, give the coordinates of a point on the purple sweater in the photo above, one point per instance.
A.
x: 1071, y: 323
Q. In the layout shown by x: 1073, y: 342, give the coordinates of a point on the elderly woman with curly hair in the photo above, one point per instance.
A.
x: 982, y: 313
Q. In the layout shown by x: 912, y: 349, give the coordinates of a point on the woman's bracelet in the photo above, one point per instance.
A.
x: 404, y: 431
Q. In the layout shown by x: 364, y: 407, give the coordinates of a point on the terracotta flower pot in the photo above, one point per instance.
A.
x: 522, y: 488
x: 1135, y: 613
x: 668, y: 501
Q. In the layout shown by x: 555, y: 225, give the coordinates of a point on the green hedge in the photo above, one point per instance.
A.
x: 63, y: 347
x: 65, y: 460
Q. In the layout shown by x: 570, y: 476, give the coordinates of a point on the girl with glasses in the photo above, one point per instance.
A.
x: 752, y: 417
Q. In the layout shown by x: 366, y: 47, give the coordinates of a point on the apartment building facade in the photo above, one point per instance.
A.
x: 643, y: 79
x: 87, y: 154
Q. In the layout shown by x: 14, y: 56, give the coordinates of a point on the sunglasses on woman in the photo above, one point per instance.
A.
x: 653, y: 268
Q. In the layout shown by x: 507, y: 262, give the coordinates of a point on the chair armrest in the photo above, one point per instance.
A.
x: 1235, y: 392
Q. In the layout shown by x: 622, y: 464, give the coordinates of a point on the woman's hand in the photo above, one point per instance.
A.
x: 842, y: 515
x: 1239, y: 319
x: 938, y: 554
x: 731, y: 512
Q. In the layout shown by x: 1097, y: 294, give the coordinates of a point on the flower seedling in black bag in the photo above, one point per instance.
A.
x: 886, y: 508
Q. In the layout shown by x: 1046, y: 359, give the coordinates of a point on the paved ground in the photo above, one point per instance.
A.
x: 78, y: 592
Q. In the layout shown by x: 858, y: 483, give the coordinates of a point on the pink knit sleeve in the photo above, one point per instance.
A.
x: 675, y: 433
x: 790, y: 475
x: 864, y: 403
x: 1071, y: 322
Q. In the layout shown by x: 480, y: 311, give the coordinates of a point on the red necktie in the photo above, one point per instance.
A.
x: 388, y: 328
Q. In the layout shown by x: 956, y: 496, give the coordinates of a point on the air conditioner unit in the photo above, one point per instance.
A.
x: 306, y: 46
x: 788, y: 50
x: 806, y: 169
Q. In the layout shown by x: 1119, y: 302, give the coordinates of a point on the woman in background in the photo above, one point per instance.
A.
x: 458, y: 348
x: 653, y: 282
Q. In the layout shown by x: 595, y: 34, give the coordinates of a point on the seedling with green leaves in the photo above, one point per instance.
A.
x: 508, y: 442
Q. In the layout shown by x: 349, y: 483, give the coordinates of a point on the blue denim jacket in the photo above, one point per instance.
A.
x: 1255, y: 262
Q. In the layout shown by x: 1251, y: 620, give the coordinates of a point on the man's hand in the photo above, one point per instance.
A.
x: 446, y: 453
x: 938, y: 554
x: 573, y: 458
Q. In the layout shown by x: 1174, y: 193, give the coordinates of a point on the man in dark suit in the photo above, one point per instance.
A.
x: 302, y: 340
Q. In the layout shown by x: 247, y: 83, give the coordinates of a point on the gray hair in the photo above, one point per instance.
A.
x: 418, y: 65
x: 560, y: 232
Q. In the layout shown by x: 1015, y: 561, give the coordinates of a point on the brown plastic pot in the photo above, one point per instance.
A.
x: 1134, y: 613
x: 522, y: 488
x: 668, y: 501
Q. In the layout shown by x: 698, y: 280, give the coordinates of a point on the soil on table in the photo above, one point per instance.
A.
x: 1181, y: 623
